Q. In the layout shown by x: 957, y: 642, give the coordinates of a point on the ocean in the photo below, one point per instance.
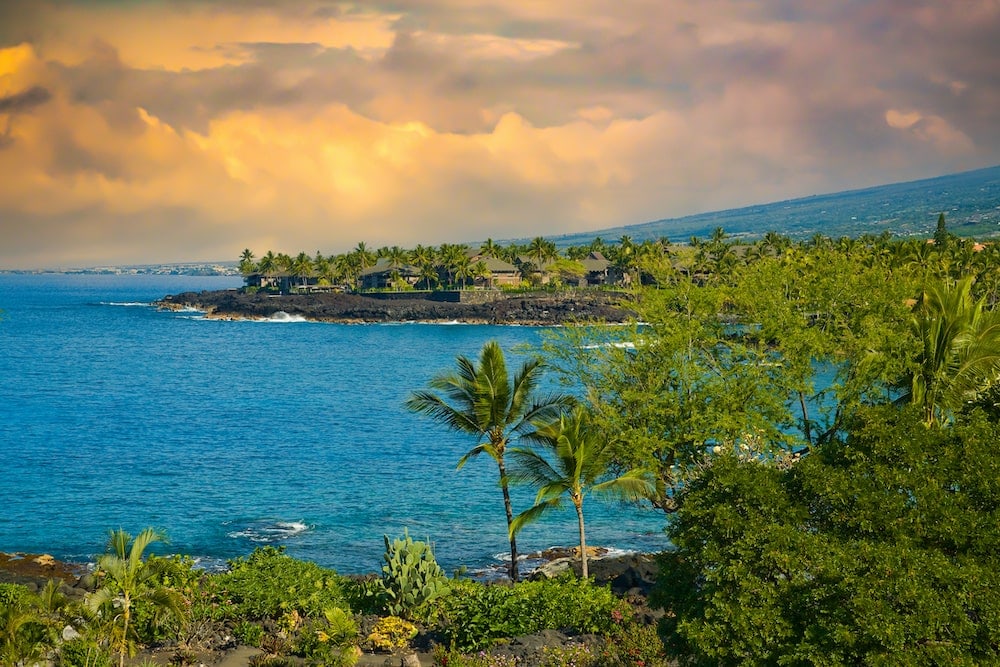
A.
x: 233, y: 435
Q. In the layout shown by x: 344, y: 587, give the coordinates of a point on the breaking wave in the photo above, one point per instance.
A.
x: 266, y: 531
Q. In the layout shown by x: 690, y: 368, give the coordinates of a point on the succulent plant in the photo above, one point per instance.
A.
x: 411, y: 578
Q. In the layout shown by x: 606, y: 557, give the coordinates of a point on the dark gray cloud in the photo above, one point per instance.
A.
x: 24, y: 101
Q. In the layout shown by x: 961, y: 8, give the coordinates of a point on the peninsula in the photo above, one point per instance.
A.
x: 541, y: 308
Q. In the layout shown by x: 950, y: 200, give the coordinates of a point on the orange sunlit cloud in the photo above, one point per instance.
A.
x: 157, y: 132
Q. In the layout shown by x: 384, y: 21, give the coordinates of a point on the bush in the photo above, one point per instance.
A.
x: 82, y: 653
x: 477, y: 616
x: 268, y: 584
x: 248, y: 634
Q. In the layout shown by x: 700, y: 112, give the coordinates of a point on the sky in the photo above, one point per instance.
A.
x: 152, y: 132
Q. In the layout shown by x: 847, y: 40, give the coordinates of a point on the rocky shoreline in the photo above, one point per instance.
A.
x: 538, y: 309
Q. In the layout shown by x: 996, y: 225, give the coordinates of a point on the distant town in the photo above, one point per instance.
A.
x: 185, y: 269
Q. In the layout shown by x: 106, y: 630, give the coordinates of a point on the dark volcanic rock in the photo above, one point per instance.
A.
x: 538, y: 308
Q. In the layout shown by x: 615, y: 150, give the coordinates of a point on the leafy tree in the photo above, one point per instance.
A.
x: 960, y: 350
x: 677, y: 388
x: 578, y: 465
x: 881, y: 549
x: 126, y: 579
x: 483, y: 400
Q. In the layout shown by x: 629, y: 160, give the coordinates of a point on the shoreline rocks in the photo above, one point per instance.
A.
x: 538, y: 309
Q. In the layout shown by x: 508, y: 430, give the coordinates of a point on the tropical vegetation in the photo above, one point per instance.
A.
x: 817, y: 421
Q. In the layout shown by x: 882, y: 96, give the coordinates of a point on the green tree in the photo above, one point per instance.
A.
x: 959, y: 357
x: 677, y: 388
x: 576, y: 463
x: 126, y: 579
x: 941, y: 236
x: 880, y: 549
x: 483, y: 400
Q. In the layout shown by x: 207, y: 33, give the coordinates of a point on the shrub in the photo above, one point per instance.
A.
x: 477, y: 615
x: 82, y: 653
x: 630, y: 644
x: 248, y: 634
x: 574, y: 655
x: 452, y: 658
x: 331, y: 642
x: 268, y: 584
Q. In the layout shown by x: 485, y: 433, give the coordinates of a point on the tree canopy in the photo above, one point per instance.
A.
x: 882, y: 548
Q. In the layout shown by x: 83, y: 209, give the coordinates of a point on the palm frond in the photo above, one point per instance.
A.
x: 531, y: 515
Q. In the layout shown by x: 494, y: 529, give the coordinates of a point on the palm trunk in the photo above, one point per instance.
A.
x: 583, y: 539
x: 510, y: 519
x: 126, y: 613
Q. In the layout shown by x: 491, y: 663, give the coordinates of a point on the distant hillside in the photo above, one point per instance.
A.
x: 970, y: 201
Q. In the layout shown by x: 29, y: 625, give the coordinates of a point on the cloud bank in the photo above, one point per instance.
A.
x: 157, y: 132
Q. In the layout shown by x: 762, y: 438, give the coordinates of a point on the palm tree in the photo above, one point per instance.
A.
x: 581, y: 459
x: 246, y: 262
x: 301, y: 267
x: 125, y: 578
x: 960, y: 350
x: 489, y: 248
x: 481, y: 399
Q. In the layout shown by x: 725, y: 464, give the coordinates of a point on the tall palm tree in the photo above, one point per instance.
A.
x: 579, y: 466
x: 481, y: 399
x: 959, y: 356
x: 125, y: 579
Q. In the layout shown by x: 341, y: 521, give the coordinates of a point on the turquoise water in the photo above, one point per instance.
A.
x: 231, y: 435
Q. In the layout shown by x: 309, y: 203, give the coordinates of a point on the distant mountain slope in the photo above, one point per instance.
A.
x: 969, y: 200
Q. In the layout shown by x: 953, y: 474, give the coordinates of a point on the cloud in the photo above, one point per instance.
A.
x: 161, y: 131
x: 24, y: 101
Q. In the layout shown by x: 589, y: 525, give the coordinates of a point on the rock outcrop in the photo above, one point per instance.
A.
x: 541, y: 308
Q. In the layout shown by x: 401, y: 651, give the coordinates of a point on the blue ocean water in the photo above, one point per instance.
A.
x: 231, y: 435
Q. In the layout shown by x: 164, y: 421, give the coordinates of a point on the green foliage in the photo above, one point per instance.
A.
x: 574, y: 655
x: 248, y: 634
x: 82, y: 653
x: 884, y: 549
x: 331, y: 641
x: 130, y: 596
x: 454, y: 658
x: 478, y: 615
x: 629, y: 644
x: 959, y: 358
x: 269, y: 583
x: 411, y: 578
x: 13, y: 594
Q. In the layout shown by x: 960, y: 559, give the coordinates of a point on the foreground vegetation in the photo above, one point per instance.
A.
x: 299, y: 613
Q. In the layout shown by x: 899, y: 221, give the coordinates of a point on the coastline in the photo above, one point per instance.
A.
x: 530, y: 309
